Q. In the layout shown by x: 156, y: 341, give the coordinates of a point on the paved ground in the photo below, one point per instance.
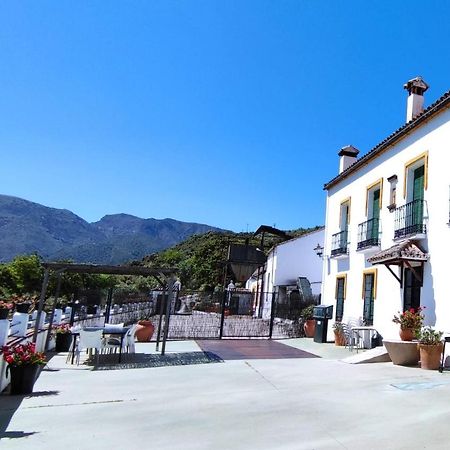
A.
x: 296, y: 403
x: 235, y: 349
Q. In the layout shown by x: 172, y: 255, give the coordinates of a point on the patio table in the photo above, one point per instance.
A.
x: 364, y: 329
x: 106, y: 331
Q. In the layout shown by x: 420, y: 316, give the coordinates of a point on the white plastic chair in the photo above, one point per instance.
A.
x: 90, y: 340
x: 127, y: 342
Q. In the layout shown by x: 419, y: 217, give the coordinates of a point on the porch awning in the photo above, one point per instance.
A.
x: 398, y: 254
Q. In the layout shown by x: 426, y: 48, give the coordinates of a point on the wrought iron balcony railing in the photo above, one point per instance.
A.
x: 368, y: 234
x: 409, y: 219
x: 339, y: 243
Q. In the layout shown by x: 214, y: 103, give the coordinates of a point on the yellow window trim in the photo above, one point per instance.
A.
x: 375, y: 278
x: 371, y: 186
x: 423, y: 156
x: 340, y: 277
x: 349, y: 201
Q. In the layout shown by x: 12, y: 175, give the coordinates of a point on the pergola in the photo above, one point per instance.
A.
x: 165, y: 277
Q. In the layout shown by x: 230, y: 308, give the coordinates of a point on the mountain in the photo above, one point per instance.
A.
x: 27, y: 227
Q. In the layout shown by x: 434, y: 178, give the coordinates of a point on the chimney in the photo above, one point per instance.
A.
x: 347, y: 156
x: 415, y: 87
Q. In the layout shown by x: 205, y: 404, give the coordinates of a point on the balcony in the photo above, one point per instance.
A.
x: 339, y: 245
x: 409, y: 220
x: 368, y: 235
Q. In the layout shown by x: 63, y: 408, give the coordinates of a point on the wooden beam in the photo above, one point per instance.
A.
x: 395, y: 275
x: 416, y: 275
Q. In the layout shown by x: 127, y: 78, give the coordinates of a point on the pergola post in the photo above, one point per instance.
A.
x: 41, y: 304
x: 52, y: 315
x: 170, y: 285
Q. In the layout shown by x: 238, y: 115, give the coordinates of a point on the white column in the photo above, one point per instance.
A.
x: 4, y: 330
x: 19, y: 324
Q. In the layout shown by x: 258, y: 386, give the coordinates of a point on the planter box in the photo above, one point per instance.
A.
x: 403, y: 353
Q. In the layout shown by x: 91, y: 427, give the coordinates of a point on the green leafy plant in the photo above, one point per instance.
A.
x: 307, y: 313
x: 338, y: 327
x: 429, y: 336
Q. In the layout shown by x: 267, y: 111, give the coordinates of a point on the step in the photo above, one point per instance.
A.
x: 375, y: 355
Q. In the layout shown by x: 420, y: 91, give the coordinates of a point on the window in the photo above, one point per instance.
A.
x: 369, y: 293
x: 373, y: 206
x: 416, y: 178
x: 341, y: 288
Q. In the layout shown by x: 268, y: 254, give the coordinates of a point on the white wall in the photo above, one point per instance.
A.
x: 433, y: 137
x: 295, y: 258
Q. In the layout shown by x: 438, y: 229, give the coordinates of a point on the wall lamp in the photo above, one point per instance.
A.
x: 319, y: 250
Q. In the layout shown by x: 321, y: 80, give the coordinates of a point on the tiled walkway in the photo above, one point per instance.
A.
x: 252, y: 349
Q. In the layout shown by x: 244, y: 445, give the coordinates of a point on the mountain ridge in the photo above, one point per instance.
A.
x: 29, y: 227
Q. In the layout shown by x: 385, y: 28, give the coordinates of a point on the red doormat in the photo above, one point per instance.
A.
x: 252, y: 349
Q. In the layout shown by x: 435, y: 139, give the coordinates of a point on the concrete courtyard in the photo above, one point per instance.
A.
x: 304, y: 403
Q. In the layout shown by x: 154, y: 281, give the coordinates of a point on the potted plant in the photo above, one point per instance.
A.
x: 144, y: 329
x: 339, y: 334
x: 63, y: 337
x: 23, y: 303
x: 430, y: 348
x: 23, y: 365
x: 410, y: 322
x: 5, y: 308
x: 309, y: 324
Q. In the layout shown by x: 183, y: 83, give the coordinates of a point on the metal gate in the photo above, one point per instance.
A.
x: 235, y: 314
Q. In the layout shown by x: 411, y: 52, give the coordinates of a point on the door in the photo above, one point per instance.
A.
x: 373, y: 231
x: 418, y: 191
x: 368, y: 292
x: 345, y: 216
x: 340, y: 293
x: 411, y: 288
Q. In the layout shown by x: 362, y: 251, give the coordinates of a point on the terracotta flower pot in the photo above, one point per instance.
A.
x: 339, y: 339
x: 310, y: 327
x: 430, y: 356
x: 144, y: 330
x: 406, y: 334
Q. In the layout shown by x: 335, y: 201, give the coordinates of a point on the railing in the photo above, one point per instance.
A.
x: 368, y: 234
x: 339, y: 243
x: 409, y: 219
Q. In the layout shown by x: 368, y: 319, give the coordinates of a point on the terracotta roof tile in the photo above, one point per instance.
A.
x: 434, y: 108
x: 404, y: 251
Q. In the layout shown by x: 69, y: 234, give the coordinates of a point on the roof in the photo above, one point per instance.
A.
x: 105, y: 269
x: 272, y: 230
x: 406, y: 251
x: 428, y: 113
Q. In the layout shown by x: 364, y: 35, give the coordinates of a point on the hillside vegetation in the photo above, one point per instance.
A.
x: 200, y: 259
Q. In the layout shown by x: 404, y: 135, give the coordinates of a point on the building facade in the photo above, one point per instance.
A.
x: 286, y: 263
x: 387, y: 235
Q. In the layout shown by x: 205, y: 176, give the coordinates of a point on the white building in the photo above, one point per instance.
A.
x: 286, y: 263
x: 387, y: 236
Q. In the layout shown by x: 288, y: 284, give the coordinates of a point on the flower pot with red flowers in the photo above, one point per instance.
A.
x: 309, y: 324
x: 63, y: 337
x: 5, y: 309
x: 410, y: 322
x: 24, y: 363
x: 430, y: 348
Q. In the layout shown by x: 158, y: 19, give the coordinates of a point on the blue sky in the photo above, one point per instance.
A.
x: 229, y: 113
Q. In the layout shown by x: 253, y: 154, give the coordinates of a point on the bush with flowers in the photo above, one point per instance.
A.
x: 4, y: 304
x: 23, y: 355
x: 63, y: 328
x: 410, y: 319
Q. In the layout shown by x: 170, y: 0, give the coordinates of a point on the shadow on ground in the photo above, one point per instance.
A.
x: 144, y: 360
